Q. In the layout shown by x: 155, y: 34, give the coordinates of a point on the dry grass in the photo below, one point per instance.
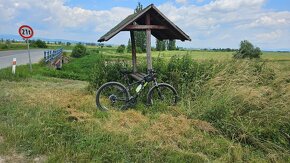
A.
x: 165, y: 129
x: 168, y: 130
x: 190, y: 137
x: 124, y: 122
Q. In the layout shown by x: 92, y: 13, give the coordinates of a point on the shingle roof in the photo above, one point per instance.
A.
x: 157, y: 18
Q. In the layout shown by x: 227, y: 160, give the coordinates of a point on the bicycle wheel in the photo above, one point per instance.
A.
x: 163, y: 92
x: 112, y: 96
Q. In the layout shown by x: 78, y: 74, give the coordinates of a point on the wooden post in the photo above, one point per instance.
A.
x: 148, y: 44
x: 134, y: 58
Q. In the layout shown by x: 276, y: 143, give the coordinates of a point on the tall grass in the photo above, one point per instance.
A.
x: 240, y: 98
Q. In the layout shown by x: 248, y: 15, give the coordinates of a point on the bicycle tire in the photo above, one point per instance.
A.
x: 153, y: 95
x: 112, y: 100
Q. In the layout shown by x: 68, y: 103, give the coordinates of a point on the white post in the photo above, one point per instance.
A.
x: 14, y: 66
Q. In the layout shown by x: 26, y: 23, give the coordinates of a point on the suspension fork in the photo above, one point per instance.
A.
x: 158, y: 90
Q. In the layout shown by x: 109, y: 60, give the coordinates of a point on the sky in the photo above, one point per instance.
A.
x: 209, y: 23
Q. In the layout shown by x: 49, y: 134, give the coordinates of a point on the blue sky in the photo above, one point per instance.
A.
x: 95, y: 5
x: 209, y: 23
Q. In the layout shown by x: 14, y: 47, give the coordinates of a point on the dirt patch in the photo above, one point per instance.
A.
x: 13, y: 158
x: 21, y: 159
x: 1, y: 159
x: 40, y: 159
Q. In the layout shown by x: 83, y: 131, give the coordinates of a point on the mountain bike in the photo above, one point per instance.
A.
x: 116, y: 96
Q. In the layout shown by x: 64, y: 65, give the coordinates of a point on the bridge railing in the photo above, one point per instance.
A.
x: 50, y: 55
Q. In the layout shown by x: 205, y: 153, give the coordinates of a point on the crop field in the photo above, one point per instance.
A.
x: 230, y: 110
x: 23, y: 46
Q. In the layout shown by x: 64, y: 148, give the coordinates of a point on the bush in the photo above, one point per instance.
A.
x: 79, y: 51
x: 247, y: 50
x: 139, y: 50
x: 182, y: 73
x: 121, y: 49
x: 38, y: 44
x: 4, y: 46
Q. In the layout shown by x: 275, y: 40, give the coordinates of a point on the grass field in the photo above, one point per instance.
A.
x: 23, y: 46
x: 230, y: 111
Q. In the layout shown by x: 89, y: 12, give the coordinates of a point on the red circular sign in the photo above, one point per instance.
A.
x: 25, y: 31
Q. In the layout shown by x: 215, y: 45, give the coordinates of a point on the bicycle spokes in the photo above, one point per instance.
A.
x: 113, y: 97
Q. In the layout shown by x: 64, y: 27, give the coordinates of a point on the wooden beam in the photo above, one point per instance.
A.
x: 148, y: 44
x: 144, y: 27
x: 134, y: 58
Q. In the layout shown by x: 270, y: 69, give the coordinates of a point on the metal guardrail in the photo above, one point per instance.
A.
x: 49, y: 55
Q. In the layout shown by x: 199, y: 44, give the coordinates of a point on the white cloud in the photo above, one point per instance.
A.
x: 272, y: 36
x: 59, y: 19
x: 224, y: 23
x: 181, y: 1
x: 230, y: 5
x: 220, y: 23
x: 269, y: 19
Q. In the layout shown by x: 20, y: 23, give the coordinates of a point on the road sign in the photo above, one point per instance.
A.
x: 25, y: 31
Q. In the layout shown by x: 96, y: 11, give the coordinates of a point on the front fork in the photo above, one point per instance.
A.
x: 158, y: 90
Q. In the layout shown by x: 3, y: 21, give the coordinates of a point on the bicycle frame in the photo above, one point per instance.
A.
x: 141, y: 83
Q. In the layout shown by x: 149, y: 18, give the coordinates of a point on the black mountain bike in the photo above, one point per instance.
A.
x: 115, y: 96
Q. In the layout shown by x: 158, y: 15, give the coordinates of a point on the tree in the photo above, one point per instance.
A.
x: 8, y: 42
x: 247, y: 50
x: 140, y: 36
x: 121, y: 49
x: 160, y: 45
x: 79, y: 51
x: 171, y: 45
x: 68, y: 43
x: 101, y: 45
x: 129, y: 46
x: 38, y: 43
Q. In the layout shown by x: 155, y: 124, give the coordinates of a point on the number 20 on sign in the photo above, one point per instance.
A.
x: 25, y: 31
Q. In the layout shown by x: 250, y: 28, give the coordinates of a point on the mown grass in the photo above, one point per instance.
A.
x: 230, y: 111
x: 38, y: 123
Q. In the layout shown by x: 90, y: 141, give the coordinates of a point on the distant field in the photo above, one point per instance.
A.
x: 12, y: 46
x: 21, y: 46
x: 198, y: 55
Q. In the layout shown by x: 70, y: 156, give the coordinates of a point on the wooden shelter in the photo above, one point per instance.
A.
x: 153, y: 22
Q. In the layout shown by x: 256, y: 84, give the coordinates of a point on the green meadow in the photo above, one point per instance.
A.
x: 230, y: 110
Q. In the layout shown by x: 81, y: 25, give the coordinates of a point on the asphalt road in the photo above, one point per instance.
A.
x: 6, y: 57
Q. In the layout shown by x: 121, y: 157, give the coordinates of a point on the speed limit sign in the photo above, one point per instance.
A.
x: 25, y: 32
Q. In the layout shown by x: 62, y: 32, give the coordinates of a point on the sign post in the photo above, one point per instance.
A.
x: 26, y: 32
